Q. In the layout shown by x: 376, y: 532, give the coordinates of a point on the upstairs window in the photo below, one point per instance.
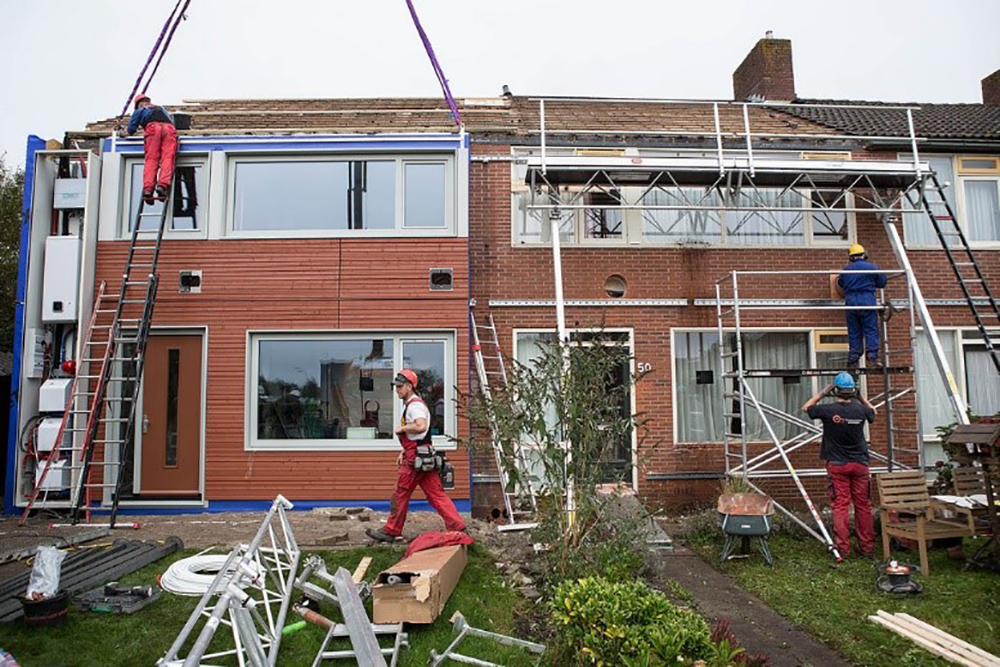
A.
x: 971, y: 189
x: 319, y: 196
x: 190, y: 185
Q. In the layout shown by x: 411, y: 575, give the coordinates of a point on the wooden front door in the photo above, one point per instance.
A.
x: 170, y: 423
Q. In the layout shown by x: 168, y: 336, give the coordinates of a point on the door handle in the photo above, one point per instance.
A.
x: 145, y: 423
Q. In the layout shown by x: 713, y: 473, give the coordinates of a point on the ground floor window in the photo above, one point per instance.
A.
x: 975, y: 376
x: 336, y: 389
x: 698, y: 390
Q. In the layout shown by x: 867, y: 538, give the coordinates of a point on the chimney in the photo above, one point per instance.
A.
x: 766, y: 73
x: 991, y: 88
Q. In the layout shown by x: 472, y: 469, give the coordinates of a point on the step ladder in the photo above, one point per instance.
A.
x: 975, y: 290
x: 101, y: 412
x: 519, y: 496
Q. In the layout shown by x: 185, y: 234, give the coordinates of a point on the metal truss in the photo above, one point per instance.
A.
x: 250, y: 595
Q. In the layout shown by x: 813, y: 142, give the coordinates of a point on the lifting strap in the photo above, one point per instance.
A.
x: 176, y: 15
x: 456, y: 116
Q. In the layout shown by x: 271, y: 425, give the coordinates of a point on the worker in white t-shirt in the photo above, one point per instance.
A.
x: 414, y: 430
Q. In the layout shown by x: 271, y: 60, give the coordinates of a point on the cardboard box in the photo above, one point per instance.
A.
x: 427, y: 579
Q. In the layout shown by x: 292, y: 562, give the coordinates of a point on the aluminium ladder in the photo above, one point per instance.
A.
x: 102, y: 408
x: 975, y: 290
x: 518, y: 494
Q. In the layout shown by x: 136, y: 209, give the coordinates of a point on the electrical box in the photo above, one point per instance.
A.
x: 48, y: 432
x: 61, y: 279
x: 35, y: 341
x: 54, y: 395
x: 70, y: 193
x: 57, y: 478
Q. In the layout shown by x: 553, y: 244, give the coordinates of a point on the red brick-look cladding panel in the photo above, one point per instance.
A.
x: 501, y: 271
x: 320, y: 284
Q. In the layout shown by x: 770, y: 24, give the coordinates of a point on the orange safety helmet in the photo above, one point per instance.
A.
x: 139, y: 98
x: 405, y: 375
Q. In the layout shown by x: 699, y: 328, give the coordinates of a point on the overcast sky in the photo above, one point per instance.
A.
x: 66, y: 62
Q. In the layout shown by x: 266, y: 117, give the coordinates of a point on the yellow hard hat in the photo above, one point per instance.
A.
x: 856, y: 249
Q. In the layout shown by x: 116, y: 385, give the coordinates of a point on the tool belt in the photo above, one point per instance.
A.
x: 428, y: 459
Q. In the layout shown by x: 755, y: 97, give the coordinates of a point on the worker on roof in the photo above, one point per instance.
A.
x: 160, y: 143
x: 859, y: 290
x: 845, y: 450
x: 415, y: 430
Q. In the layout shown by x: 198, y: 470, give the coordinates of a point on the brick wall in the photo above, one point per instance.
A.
x: 500, y: 270
x: 766, y: 71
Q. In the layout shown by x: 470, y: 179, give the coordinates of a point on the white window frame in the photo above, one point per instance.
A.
x: 632, y: 221
x: 957, y: 186
x: 442, y: 442
x: 810, y: 333
x: 398, y: 229
x: 201, y: 216
x: 515, y: 333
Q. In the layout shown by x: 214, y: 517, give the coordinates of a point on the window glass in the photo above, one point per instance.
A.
x: 425, y: 195
x: 917, y: 226
x: 290, y: 195
x: 426, y: 359
x: 699, y: 406
x: 681, y: 226
x: 376, y: 183
x: 935, y: 406
x: 603, y: 223
x: 774, y: 227
x: 828, y: 222
x: 981, y: 381
x: 325, y: 389
x: 982, y: 210
x: 189, y: 189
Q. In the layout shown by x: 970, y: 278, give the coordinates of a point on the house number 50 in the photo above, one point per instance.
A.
x: 644, y: 367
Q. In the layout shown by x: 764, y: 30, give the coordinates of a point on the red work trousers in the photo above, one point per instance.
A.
x: 161, y: 148
x: 851, y: 483
x: 430, y: 482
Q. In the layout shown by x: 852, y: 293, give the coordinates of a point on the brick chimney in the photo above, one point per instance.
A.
x: 766, y: 72
x: 991, y: 88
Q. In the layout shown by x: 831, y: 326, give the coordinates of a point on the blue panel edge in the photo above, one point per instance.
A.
x: 208, y: 143
x: 34, y: 143
x: 216, y: 506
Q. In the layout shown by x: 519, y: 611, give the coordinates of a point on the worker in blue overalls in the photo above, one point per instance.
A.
x: 859, y: 290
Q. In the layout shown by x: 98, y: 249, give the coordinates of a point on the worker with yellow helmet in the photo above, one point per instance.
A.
x: 859, y: 290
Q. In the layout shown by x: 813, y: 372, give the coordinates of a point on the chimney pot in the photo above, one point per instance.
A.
x: 766, y: 72
x: 769, y: 34
x: 991, y: 89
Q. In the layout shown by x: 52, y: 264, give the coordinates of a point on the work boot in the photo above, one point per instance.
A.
x: 147, y: 196
x: 161, y: 192
x: 852, y: 364
x: 379, y: 535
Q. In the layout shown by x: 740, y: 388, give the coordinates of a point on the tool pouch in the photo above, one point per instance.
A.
x: 424, y: 461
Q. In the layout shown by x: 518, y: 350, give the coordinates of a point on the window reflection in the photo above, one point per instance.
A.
x: 425, y: 194
x: 426, y: 359
x: 188, y: 182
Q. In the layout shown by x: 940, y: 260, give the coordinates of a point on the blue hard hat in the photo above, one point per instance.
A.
x: 844, y: 380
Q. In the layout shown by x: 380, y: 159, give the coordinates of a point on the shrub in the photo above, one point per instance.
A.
x: 608, y: 623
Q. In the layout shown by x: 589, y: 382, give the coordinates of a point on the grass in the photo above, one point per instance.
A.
x: 482, y: 595
x: 833, y: 602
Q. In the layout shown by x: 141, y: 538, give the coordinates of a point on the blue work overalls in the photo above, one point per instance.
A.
x: 862, y: 325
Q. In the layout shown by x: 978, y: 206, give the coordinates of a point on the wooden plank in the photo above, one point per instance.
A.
x: 889, y: 622
x: 361, y: 569
x: 974, y: 651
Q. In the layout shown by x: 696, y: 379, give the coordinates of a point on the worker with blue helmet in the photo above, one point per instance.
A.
x: 845, y: 451
x: 859, y: 290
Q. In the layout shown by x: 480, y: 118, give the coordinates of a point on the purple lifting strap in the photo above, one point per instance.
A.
x: 437, y: 67
x: 152, y: 54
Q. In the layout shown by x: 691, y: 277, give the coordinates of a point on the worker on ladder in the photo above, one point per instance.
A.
x: 160, y: 144
x: 859, y: 290
x: 413, y: 432
x: 845, y: 450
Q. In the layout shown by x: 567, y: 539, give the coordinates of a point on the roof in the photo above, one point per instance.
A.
x: 521, y: 117
x: 931, y: 121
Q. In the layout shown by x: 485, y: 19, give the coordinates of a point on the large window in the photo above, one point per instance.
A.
x: 313, y: 390
x: 338, y: 196
x: 975, y: 375
x: 190, y: 185
x: 972, y: 190
x: 698, y: 389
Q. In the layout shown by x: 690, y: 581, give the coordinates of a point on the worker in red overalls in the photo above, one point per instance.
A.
x: 414, y: 430
x: 160, y: 143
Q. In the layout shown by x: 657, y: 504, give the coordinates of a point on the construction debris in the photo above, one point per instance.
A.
x: 935, y: 640
x: 415, y: 589
x: 62, y: 541
x: 87, y: 568
x: 463, y: 629
x: 256, y: 576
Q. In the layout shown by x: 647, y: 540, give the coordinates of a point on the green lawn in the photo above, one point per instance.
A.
x: 833, y: 601
x: 140, y: 639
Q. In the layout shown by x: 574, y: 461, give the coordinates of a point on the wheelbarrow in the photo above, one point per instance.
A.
x: 746, y: 516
